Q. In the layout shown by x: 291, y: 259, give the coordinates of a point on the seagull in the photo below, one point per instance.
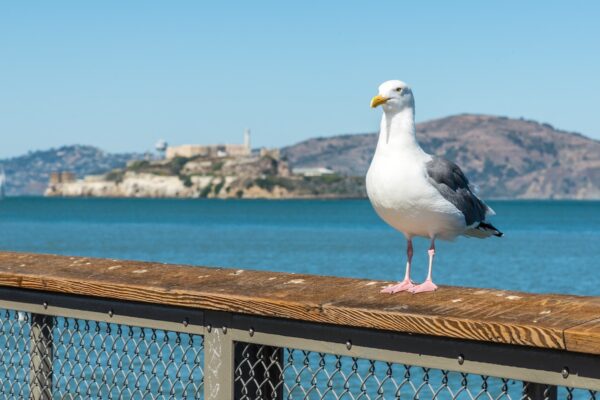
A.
x: 419, y: 194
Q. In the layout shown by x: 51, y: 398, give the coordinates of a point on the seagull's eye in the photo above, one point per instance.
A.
x: 399, y: 89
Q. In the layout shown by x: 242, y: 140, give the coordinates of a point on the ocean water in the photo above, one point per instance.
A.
x: 548, y: 247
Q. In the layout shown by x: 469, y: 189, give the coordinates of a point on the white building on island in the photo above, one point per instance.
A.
x: 215, y: 150
x: 313, y: 171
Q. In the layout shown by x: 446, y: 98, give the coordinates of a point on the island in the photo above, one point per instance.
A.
x: 211, y: 172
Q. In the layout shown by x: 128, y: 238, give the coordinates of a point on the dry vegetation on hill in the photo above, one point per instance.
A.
x: 504, y: 157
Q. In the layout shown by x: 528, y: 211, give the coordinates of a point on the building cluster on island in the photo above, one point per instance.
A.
x: 62, y: 177
x: 208, y: 171
x: 201, y: 150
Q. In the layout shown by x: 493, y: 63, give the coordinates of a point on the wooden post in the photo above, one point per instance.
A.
x: 40, y: 375
x: 537, y: 391
x: 261, y: 372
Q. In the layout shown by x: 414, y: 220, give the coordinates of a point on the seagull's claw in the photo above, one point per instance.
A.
x: 427, y: 286
x: 405, y: 285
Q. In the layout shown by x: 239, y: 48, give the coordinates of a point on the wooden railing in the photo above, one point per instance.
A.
x: 245, y: 318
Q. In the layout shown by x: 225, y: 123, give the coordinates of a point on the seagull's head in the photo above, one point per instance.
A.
x: 394, y: 96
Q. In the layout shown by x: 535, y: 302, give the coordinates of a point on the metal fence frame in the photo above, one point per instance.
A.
x: 221, y: 330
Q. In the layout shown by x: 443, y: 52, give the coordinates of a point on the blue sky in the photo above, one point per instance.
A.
x: 122, y: 74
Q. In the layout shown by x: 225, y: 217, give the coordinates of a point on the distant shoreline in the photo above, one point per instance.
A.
x: 506, y: 158
x: 275, y: 199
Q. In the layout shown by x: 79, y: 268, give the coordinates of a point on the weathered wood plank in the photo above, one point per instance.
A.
x: 486, y: 315
x: 584, y: 338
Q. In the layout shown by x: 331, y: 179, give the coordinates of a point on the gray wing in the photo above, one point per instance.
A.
x: 453, y: 185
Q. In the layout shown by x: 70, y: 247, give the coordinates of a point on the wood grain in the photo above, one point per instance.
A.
x: 545, y: 321
x: 585, y: 337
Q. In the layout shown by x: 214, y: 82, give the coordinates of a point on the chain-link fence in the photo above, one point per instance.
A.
x: 68, y: 358
x: 265, y: 372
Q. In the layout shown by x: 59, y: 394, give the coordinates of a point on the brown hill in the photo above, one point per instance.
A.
x: 504, y: 157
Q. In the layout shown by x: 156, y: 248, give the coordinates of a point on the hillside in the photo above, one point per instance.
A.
x: 28, y: 174
x: 505, y: 158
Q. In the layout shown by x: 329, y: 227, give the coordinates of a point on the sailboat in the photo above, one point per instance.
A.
x: 2, y: 181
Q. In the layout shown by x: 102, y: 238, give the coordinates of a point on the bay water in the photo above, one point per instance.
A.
x: 548, y: 246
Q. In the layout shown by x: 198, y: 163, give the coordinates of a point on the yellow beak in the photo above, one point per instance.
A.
x: 378, y: 100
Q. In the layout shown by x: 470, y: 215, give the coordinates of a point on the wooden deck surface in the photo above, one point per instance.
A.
x: 546, y: 321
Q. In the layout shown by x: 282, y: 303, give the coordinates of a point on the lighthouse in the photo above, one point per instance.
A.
x: 247, y: 140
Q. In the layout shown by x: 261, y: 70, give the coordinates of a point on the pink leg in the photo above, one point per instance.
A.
x: 406, y: 284
x: 428, y: 285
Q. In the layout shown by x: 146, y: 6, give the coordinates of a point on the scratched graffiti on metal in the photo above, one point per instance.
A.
x: 214, y: 361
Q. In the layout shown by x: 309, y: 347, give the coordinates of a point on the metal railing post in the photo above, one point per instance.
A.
x: 40, y: 375
x: 218, y: 365
x: 263, y: 377
x: 537, y: 391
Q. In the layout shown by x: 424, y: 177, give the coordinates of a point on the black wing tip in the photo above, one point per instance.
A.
x: 489, y: 227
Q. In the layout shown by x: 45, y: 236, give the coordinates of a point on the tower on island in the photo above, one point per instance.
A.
x: 161, y: 147
x: 247, y: 140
